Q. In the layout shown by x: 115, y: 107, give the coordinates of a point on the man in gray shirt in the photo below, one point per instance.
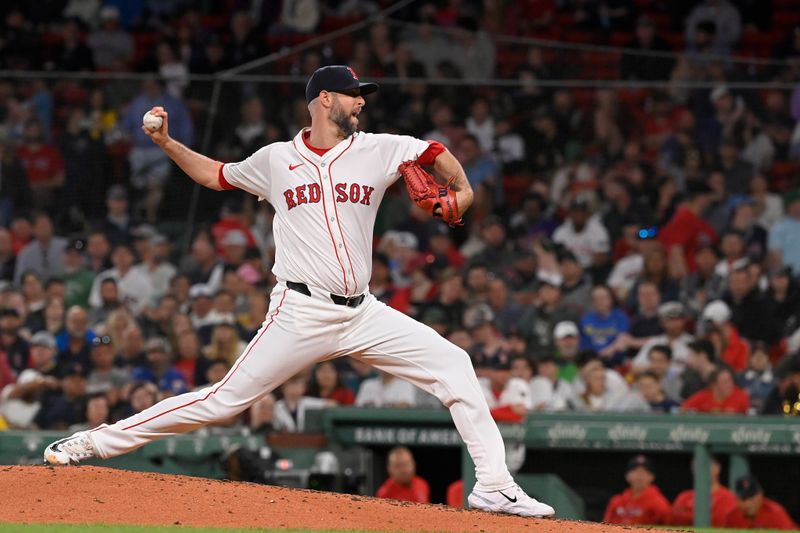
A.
x: 44, y: 254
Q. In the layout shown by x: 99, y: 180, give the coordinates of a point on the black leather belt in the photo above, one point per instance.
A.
x: 349, y: 301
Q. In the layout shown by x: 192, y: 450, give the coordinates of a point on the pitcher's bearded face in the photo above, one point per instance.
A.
x: 344, y: 112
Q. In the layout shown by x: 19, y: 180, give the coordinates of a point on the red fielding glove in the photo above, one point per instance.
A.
x: 429, y: 195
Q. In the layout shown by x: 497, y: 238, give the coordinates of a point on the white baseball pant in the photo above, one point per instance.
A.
x: 301, y: 330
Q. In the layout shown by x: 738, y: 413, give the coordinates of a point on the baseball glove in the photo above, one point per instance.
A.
x: 428, y: 194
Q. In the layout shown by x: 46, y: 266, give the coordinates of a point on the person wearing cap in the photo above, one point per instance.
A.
x: 134, y: 288
x: 21, y: 401
x: 576, y: 285
x: 687, y: 231
x: 64, y: 407
x: 723, y: 501
x: 159, y: 369
x: 642, y: 503
x: 77, y: 278
x: 117, y: 225
x: 756, y: 511
x: 673, y: 320
x: 104, y: 376
x: 323, y: 252
x: 566, y: 342
x: 720, y: 396
x: 202, y: 310
x: 234, y: 245
x: 715, y: 322
x: 488, y: 342
x: 784, y: 236
x: 537, y: 321
x: 112, y: 46
x: 584, y: 235
x: 231, y: 218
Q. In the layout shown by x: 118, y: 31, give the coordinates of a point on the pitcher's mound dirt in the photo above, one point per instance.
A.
x: 88, y: 494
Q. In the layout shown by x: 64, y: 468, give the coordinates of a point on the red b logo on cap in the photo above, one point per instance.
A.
x: 353, y: 72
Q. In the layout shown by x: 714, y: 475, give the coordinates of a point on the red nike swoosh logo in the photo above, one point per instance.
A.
x: 292, y: 167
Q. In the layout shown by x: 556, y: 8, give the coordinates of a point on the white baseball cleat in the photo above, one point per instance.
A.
x: 511, y: 501
x: 69, y: 451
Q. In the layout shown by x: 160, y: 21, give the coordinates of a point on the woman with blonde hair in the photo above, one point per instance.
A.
x: 225, y: 343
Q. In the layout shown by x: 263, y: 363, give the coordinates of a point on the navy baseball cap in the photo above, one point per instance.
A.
x: 336, y: 78
x: 747, y: 487
x: 640, y: 461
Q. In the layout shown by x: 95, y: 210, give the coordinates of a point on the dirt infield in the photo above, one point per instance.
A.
x: 87, y: 494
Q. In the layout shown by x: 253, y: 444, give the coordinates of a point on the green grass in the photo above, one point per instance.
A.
x: 97, y: 528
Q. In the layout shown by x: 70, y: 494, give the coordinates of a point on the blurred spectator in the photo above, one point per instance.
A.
x: 326, y: 384
x: 509, y: 398
x: 721, y: 396
x: 160, y: 370
x: 576, y: 287
x: 225, y: 343
x: 134, y: 288
x: 758, y: 379
x: 723, y: 501
x: 98, y: 250
x: 98, y: 411
x: 601, y: 326
x: 44, y: 255
x: 403, y: 484
x: 155, y: 266
x: 495, y: 253
x: 118, y: 225
x: 15, y: 347
x: 245, y: 44
x: 111, y: 45
x: 598, y: 397
x: 20, y: 402
x: 385, y: 391
x: 726, y: 19
x: 659, y: 358
x: 784, y: 245
x: 537, y: 321
x: 548, y: 391
x: 150, y: 166
x: 15, y: 191
x: 74, y: 345
x: 646, y: 67
x: 110, y: 301
x: 700, y: 364
x: 44, y: 165
x: 584, y: 235
x: 566, y: 341
x: 769, y: 206
x: 686, y: 231
x: 781, y: 304
x: 191, y: 362
x: 290, y: 411
x: 672, y: 318
x: 104, y: 377
x: 642, y: 503
x: 65, y: 407
x: 77, y: 279
x: 755, y: 511
x: 649, y: 385
x: 746, y: 304
x: 74, y: 54
x: 716, y: 323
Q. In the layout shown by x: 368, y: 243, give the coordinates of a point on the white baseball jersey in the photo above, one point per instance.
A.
x: 325, y: 206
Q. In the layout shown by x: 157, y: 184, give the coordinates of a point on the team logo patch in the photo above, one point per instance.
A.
x: 353, y: 73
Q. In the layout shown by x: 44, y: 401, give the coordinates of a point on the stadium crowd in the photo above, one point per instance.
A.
x: 636, y: 250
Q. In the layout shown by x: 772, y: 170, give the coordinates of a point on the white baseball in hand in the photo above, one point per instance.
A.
x: 152, y: 122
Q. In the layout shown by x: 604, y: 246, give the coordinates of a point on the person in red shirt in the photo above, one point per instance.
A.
x: 723, y: 502
x: 455, y: 494
x: 325, y: 383
x: 403, y: 483
x: 686, y: 231
x: 721, y: 396
x: 43, y: 164
x: 642, y: 503
x: 755, y: 511
x: 720, y: 330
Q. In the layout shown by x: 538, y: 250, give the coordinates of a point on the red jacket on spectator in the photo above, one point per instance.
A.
x: 723, y: 502
x: 647, y: 509
x: 688, y: 230
x: 705, y: 402
x: 772, y: 515
x: 418, y: 491
x: 342, y: 396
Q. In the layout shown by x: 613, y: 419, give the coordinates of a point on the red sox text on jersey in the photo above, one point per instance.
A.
x: 312, y: 193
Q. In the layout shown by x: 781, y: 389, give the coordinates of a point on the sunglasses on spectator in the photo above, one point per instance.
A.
x: 101, y: 341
